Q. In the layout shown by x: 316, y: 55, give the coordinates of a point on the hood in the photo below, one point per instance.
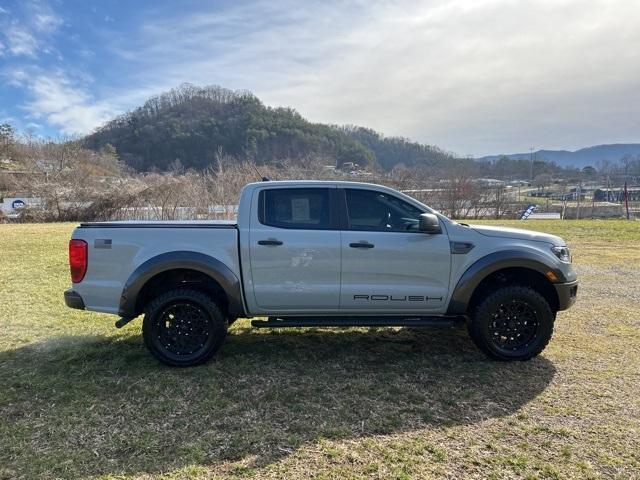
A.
x: 518, y: 234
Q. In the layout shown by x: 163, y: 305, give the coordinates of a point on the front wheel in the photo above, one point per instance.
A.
x: 512, y: 323
x: 183, y: 327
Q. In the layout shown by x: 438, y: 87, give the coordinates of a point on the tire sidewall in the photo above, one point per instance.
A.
x: 215, y: 325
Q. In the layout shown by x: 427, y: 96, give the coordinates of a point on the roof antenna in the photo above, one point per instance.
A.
x: 262, y: 178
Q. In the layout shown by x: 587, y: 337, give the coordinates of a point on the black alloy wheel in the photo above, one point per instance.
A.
x: 514, y: 325
x: 183, y: 327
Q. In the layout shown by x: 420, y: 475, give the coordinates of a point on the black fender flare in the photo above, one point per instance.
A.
x: 493, y: 262
x: 200, y: 262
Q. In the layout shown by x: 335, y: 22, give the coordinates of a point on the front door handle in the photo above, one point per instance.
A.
x: 271, y: 241
x: 361, y: 245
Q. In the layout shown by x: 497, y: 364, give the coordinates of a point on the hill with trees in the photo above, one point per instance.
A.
x: 188, y: 126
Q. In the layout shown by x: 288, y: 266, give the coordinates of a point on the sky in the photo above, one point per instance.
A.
x: 473, y: 77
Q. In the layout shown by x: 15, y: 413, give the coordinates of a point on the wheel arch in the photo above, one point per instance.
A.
x: 213, y: 275
x: 527, y: 267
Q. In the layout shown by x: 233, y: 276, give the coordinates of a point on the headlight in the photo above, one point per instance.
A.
x: 563, y: 254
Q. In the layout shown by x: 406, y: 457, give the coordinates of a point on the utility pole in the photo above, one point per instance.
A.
x: 531, y: 169
x: 626, y: 199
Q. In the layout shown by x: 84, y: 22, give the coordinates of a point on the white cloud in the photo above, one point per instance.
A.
x: 41, y: 17
x: 21, y: 42
x: 30, y: 35
x: 67, y: 106
x: 475, y: 76
x: 15, y: 77
x: 47, y: 22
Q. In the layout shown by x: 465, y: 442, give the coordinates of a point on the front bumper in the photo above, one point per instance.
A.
x: 567, y: 294
x: 73, y: 299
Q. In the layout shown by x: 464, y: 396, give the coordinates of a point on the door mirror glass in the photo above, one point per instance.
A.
x: 429, y: 224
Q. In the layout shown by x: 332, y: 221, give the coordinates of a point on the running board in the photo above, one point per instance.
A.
x: 274, y: 322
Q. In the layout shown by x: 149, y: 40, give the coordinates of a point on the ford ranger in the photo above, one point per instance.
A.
x: 322, y: 254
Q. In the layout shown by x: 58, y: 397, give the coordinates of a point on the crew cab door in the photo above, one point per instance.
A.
x: 388, y: 266
x: 295, y: 250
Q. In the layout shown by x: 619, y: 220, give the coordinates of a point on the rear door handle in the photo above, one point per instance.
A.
x: 271, y: 241
x: 361, y: 245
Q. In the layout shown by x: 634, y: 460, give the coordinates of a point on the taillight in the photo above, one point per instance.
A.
x: 77, y: 259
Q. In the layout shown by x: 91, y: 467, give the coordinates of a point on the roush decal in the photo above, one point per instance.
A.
x: 396, y: 298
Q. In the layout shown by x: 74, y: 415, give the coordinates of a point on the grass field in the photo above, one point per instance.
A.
x: 80, y: 399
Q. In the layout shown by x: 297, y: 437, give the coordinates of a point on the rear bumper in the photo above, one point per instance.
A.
x: 73, y: 299
x: 567, y: 294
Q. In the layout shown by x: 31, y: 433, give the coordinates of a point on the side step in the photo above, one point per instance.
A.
x: 274, y: 322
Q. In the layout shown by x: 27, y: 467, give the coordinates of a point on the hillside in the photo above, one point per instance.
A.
x: 188, y: 125
x: 579, y: 158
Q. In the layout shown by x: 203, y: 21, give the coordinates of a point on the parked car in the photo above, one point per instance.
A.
x: 324, y: 254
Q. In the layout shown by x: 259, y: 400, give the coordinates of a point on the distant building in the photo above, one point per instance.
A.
x: 616, y: 195
x: 349, y: 166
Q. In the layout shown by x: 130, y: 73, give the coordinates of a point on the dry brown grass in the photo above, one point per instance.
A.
x: 80, y: 399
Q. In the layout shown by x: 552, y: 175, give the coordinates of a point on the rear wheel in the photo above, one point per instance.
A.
x: 512, y: 323
x: 183, y: 327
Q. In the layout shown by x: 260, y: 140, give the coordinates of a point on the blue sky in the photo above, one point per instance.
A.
x: 471, y: 76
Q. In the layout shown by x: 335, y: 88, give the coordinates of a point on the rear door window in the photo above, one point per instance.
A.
x: 298, y: 208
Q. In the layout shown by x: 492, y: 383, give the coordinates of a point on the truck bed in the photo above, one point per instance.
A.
x: 117, y: 249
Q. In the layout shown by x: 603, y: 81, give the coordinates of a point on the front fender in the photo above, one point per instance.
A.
x: 493, y: 262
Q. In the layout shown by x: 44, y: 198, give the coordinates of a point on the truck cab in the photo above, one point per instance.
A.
x: 320, y: 247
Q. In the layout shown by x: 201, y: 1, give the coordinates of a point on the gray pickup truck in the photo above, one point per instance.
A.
x: 322, y: 254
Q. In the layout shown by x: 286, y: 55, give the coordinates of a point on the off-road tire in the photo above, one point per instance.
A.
x: 512, y: 323
x: 183, y: 327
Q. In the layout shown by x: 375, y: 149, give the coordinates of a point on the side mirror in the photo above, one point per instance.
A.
x: 429, y: 224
